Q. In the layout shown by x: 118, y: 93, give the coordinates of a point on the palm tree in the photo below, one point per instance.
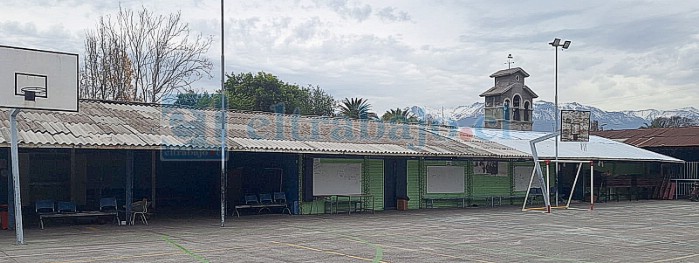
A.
x: 398, y: 115
x: 355, y: 108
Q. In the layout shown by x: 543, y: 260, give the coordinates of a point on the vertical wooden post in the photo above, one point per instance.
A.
x: 300, y: 163
x: 73, y: 177
x: 153, y: 173
x: 592, y: 185
x: 129, y: 183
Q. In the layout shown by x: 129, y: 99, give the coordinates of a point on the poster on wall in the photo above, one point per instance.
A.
x: 522, y: 176
x: 494, y: 168
x: 445, y: 179
x: 336, y: 178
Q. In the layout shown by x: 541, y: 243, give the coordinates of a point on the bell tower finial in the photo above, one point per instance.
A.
x: 509, y: 61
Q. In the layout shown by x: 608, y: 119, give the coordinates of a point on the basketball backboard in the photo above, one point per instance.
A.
x: 38, y: 80
x: 575, y: 126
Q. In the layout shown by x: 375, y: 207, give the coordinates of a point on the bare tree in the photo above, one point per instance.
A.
x: 106, y: 72
x: 141, y: 56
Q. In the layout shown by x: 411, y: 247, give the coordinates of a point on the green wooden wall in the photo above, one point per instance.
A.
x: 373, y: 175
x: 417, y: 182
x: 414, y: 183
x: 372, y: 183
x: 478, y: 185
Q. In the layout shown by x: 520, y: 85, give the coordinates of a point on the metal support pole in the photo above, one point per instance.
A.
x: 548, y: 175
x: 556, y: 125
x: 14, y: 151
x: 537, y: 166
x: 575, y: 182
x: 592, y: 185
x: 526, y: 196
x: 224, y: 121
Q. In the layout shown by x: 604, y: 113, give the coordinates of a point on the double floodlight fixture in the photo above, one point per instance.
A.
x: 557, y: 43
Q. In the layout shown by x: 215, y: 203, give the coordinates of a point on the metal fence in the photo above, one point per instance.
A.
x: 689, y: 175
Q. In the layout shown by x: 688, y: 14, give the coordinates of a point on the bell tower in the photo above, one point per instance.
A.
x: 509, y: 103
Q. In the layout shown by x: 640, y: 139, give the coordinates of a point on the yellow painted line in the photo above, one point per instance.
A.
x: 677, y: 258
x: 331, y: 252
x: 113, y: 258
x: 544, y: 208
x: 429, y: 251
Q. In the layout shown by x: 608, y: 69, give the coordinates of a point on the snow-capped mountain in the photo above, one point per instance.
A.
x: 544, y: 119
x: 650, y: 114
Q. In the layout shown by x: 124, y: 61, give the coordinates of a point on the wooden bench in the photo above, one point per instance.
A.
x: 76, y: 215
x: 429, y: 201
x: 631, y: 185
x: 265, y: 202
x: 514, y: 197
x: 261, y: 207
x: 485, y: 198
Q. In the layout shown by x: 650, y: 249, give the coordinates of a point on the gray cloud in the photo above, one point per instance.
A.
x: 346, y: 8
x: 441, y: 58
x: 642, y: 34
x: 306, y: 30
x: 29, y: 35
x: 393, y: 15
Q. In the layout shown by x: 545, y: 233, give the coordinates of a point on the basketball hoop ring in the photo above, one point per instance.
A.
x: 32, y: 92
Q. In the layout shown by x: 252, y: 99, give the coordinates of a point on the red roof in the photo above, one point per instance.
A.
x: 658, y: 137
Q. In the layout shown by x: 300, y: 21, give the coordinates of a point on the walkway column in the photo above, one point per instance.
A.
x: 129, y: 184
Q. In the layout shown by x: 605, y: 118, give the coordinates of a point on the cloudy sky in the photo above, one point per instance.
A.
x: 625, y: 55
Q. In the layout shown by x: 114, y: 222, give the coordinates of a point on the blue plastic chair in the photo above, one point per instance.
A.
x: 45, y: 207
x: 108, y: 204
x: 280, y: 197
x: 251, y: 199
x: 66, y: 207
x: 266, y: 199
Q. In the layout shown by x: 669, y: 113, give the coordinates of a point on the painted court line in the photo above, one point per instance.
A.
x: 430, y: 252
x: 185, y: 250
x: 327, y: 252
x: 378, y: 255
x: 676, y: 259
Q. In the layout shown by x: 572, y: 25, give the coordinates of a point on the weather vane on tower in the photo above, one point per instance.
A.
x: 509, y: 61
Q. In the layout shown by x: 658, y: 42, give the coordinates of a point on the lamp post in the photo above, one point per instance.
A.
x: 557, y: 43
x: 224, y: 121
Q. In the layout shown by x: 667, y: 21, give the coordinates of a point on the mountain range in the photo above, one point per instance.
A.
x: 544, y: 118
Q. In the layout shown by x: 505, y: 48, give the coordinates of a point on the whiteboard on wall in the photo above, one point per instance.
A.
x: 336, y: 178
x: 445, y: 179
x: 522, y: 176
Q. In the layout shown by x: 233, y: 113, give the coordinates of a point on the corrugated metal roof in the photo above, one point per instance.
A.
x: 659, y: 137
x: 510, y: 71
x: 139, y: 126
x: 597, y: 148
